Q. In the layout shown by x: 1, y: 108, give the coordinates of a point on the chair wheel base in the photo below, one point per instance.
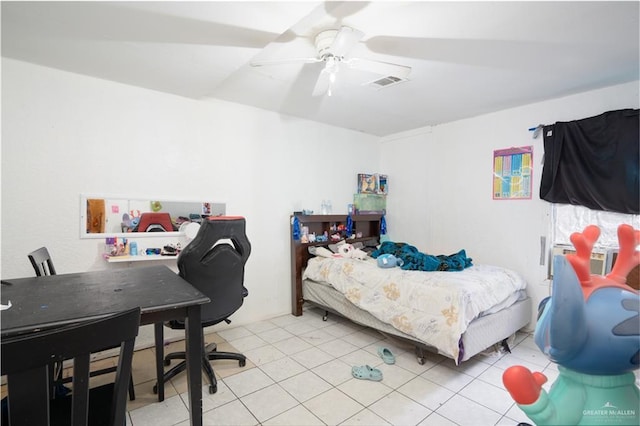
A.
x: 167, y: 362
x: 242, y: 363
x: 155, y: 389
x: 213, y: 389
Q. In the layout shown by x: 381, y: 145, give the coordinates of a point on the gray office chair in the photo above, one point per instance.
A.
x: 26, y: 359
x: 43, y: 265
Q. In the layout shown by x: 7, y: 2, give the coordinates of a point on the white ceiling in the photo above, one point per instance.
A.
x: 466, y: 58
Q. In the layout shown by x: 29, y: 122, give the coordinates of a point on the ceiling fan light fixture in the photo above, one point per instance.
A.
x: 331, y: 63
x: 324, y: 40
x: 333, y: 47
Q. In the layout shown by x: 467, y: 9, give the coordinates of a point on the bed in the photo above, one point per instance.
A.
x: 456, y: 314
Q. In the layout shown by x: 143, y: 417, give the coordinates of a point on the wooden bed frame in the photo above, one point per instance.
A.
x: 365, y: 227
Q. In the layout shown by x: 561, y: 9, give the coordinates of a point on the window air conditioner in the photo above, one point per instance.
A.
x: 602, y: 260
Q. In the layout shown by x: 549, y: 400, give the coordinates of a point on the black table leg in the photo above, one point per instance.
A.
x: 194, y: 344
x: 159, y: 338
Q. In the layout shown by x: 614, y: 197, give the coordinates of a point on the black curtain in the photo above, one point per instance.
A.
x: 594, y: 162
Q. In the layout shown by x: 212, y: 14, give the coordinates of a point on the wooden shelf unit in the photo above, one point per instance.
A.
x: 367, y: 224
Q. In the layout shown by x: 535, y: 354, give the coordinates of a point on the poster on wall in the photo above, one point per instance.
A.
x: 512, y: 170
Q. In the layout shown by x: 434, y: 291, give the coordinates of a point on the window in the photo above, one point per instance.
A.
x: 567, y: 219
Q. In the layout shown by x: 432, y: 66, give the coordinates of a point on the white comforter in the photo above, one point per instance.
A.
x: 434, y: 307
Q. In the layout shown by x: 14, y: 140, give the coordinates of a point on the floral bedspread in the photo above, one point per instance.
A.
x: 434, y: 307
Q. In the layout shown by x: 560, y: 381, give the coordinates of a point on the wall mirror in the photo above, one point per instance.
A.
x: 102, y: 216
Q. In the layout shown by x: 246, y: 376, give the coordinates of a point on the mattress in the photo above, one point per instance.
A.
x: 482, y: 333
x: 435, y: 308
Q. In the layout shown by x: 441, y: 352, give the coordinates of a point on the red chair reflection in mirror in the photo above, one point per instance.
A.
x: 155, y: 222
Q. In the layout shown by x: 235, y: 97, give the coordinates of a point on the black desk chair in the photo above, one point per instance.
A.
x: 213, y: 263
x: 43, y: 265
x: 42, y: 262
x: 26, y: 360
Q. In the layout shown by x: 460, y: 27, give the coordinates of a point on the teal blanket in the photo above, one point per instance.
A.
x: 417, y: 261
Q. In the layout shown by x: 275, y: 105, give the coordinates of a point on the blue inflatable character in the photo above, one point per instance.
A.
x: 590, y: 327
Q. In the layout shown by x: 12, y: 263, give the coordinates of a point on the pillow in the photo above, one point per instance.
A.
x: 320, y: 251
x: 336, y: 247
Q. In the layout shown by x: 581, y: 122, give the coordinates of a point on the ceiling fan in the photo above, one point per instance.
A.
x: 333, y: 48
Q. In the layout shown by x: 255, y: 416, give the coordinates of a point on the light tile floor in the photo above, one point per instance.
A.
x: 298, y: 373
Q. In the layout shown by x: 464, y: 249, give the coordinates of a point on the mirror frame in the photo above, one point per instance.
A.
x: 83, y: 216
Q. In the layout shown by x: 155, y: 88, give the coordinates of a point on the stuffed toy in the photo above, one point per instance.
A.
x: 349, y: 251
x: 590, y: 327
x: 389, y: 261
x: 342, y: 250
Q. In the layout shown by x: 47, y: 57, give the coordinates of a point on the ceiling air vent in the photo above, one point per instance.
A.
x: 386, y: 81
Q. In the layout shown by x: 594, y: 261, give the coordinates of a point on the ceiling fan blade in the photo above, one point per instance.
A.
x: 285, y: 61
x: 478, y: 52
x: 137, y: 22
x: 297, y: 100
x: 343, y: 9
x: 379, y: 67
x: 323, y: 84
x: 345, y: 40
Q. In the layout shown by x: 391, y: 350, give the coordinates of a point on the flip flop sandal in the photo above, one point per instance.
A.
x: 365, y: 372
x: 386, y: 356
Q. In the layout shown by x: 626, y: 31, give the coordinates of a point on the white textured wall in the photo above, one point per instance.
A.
x: 441, y: 184
x: 64, y: 134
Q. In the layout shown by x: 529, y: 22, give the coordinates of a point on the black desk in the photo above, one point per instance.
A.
x: 51, y: 301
